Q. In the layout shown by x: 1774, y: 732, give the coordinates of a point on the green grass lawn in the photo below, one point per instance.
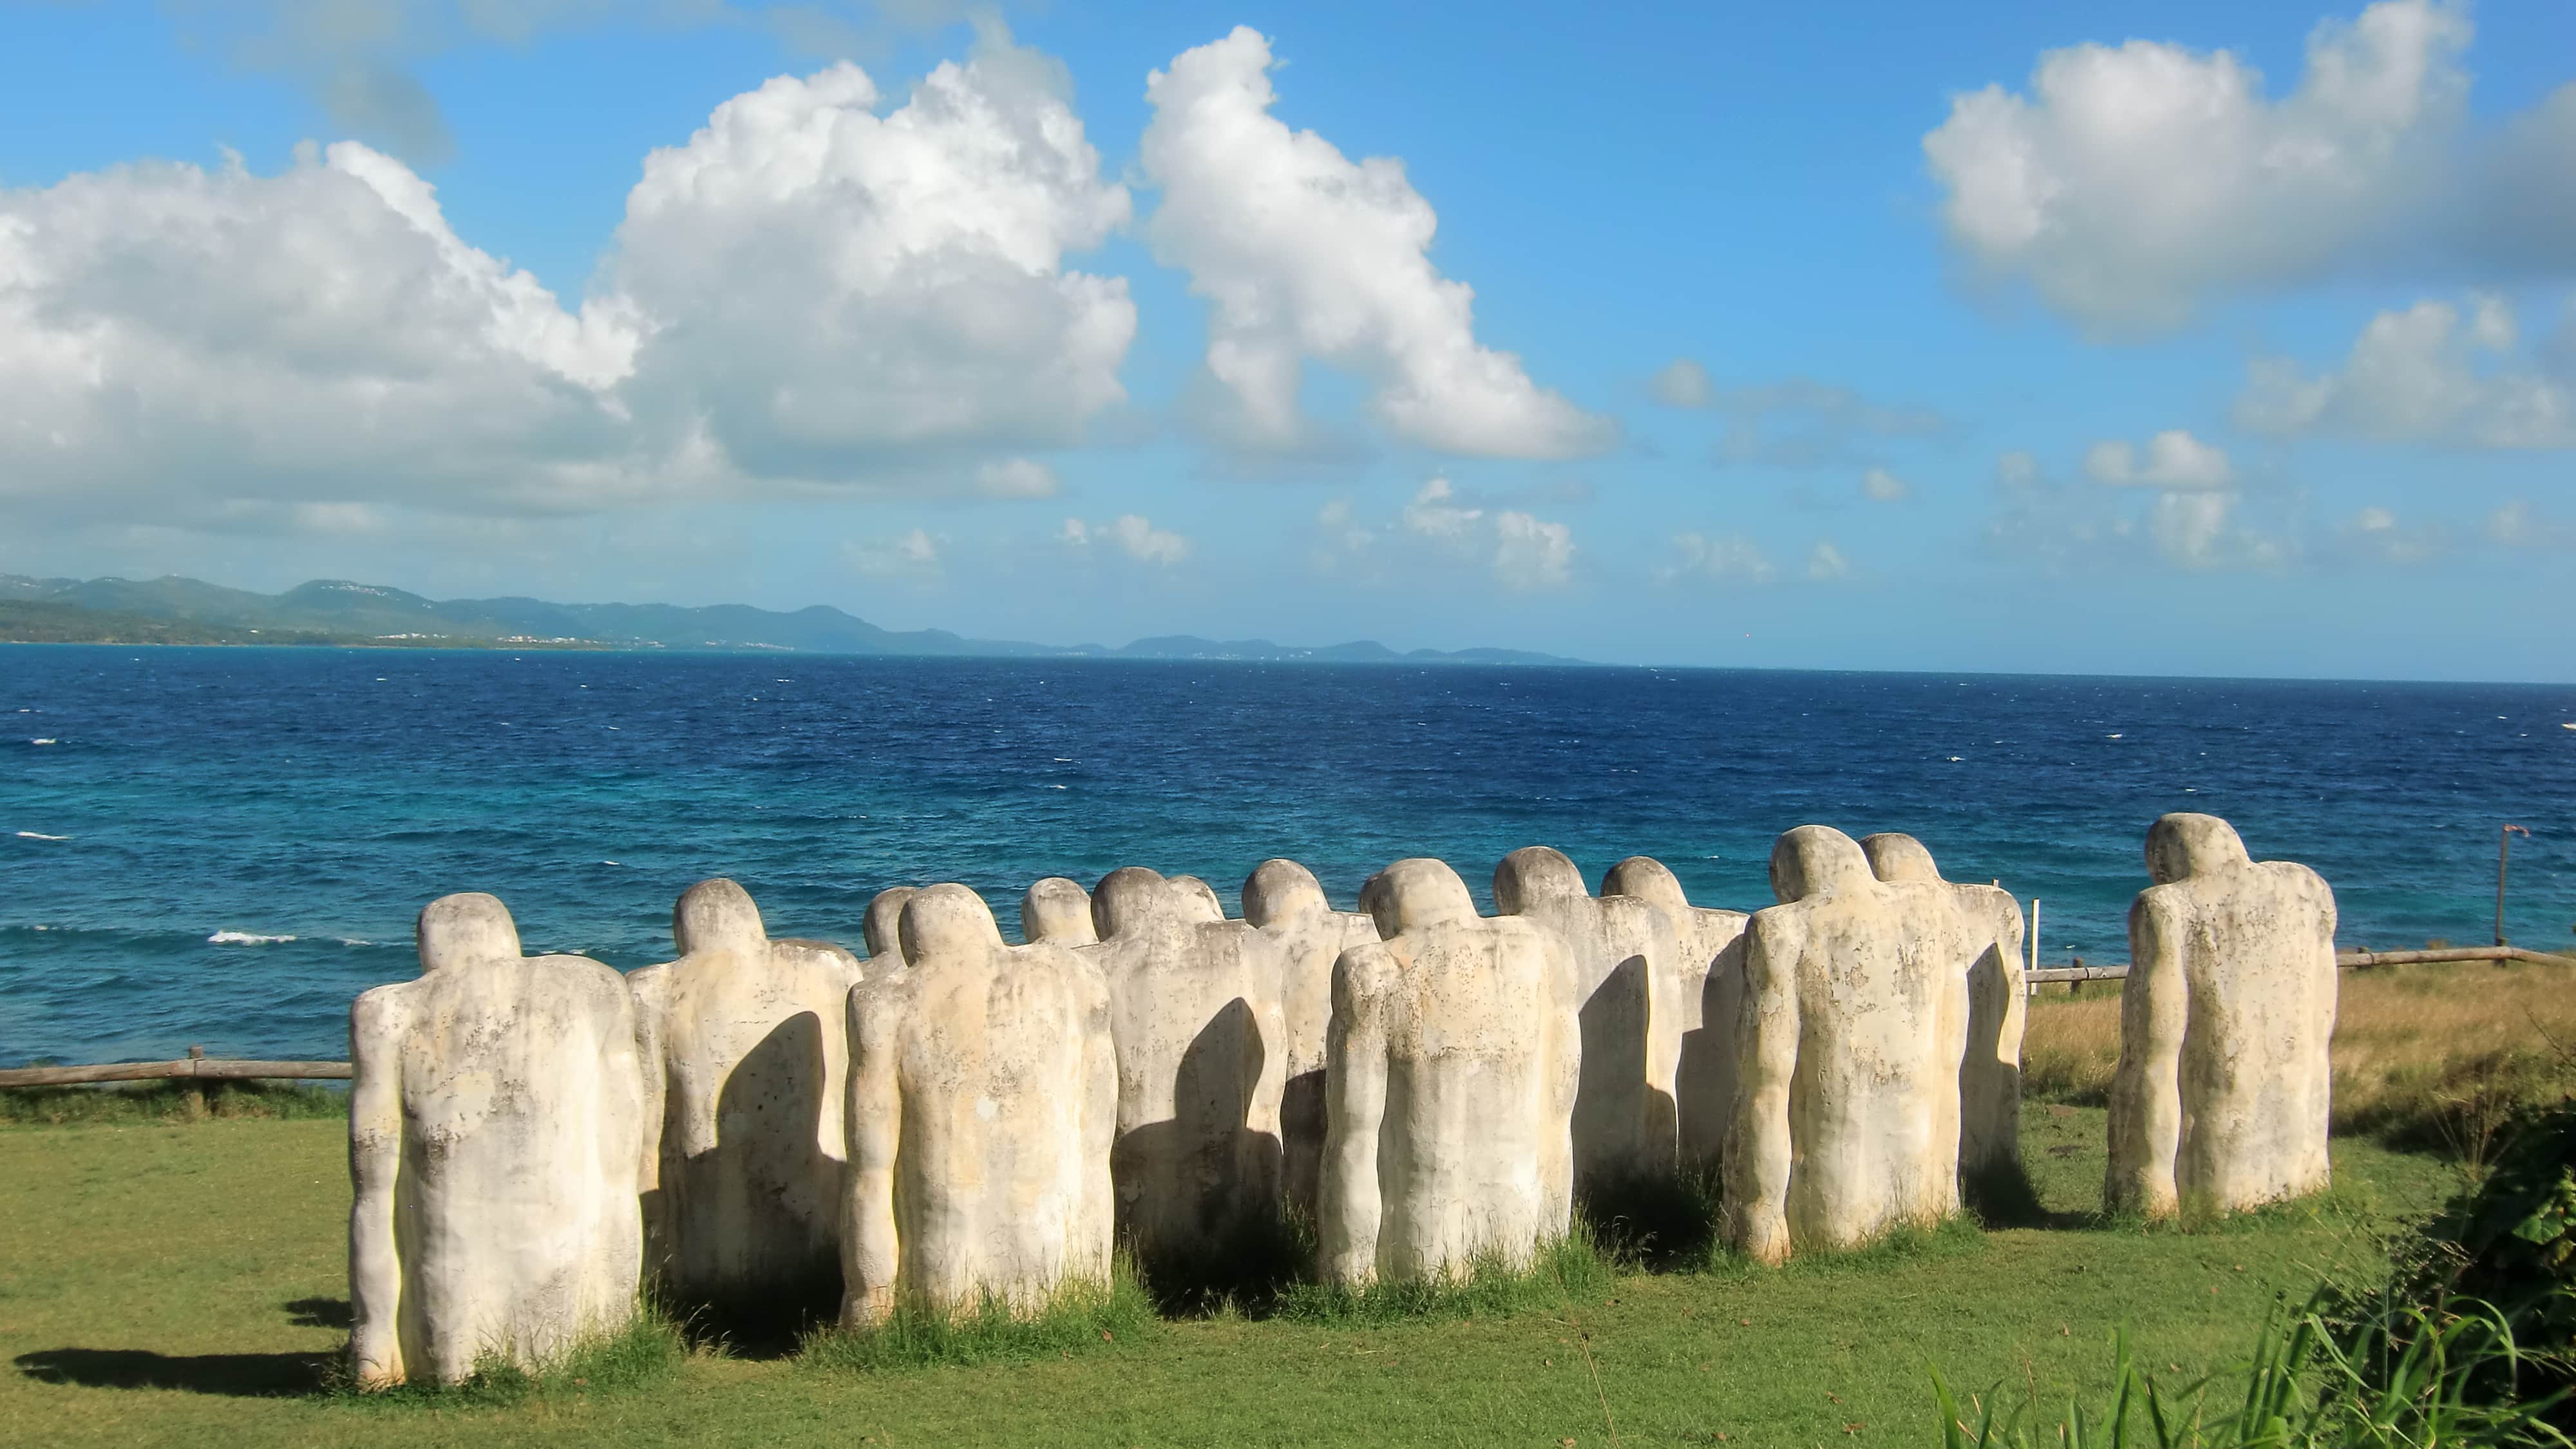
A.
x: 169, y: 1282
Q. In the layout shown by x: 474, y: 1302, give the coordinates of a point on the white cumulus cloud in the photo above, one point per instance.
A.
x: 1304, y: 253
x: 815, y: 292
x: 2425, y: 374
x: 2174, y: 460
x: 1131, y: 534
x: 1826, y: 564
x: 832, y: 286
x: 310, y: 336
x: 2130, y: 182
x: 915, y: 554
x: 1726, y: 558
x: 1880, y: 486
x: 1532, y: 553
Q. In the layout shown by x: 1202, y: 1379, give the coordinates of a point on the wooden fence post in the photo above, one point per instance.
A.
x: 196, y: 1090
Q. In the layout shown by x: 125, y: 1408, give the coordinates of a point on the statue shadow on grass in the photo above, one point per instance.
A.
x: 231, y: 1375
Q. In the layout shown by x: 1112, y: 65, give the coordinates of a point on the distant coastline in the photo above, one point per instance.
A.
x: 335, y: 613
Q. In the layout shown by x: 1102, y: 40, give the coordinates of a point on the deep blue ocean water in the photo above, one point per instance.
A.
x: 222, y: 846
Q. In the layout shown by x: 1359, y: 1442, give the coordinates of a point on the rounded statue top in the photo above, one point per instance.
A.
x: 2182, y: 844
x: 1893, y: 856
x: 1647, y: 879
x: 945, y: 921
x: 469, y: 926
x: 1192, y: 900
x: 1535, y: 873
x: 1279, y: 889
x: 882, y: 926
x: 1412, y: 894
x: 716, y: 915
x: 1126, y: 899
x: 1815, y: 860
x: 1057, y: 909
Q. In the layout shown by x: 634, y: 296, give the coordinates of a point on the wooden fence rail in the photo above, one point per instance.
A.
x: 2348, y: 960
x: 194, y: 1067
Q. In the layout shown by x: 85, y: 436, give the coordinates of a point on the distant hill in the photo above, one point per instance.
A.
x: 176, y: 610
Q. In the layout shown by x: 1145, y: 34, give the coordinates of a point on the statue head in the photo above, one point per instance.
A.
x: 1649, y: 880
x: 1532, y: 874
x: 716, y: 915
x: 1059, y: 910
x: 947, y: 921
x: 883, y: 924
x: 1815, y: 860
x: 2182, y: 844
x: 1125, y: 900
x: 1279, y: 889
x: 1898, y: 857
x: 1192, y: 901
x: 467, y: 927
x: 1412, y: 894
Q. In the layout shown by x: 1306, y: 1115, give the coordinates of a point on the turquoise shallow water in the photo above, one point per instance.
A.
x: 222, y: 846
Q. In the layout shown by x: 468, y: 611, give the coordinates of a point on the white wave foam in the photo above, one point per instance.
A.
x: 244, y: 938
x: 32, y: 835
x: 44, y: 742
x: 353, y: 941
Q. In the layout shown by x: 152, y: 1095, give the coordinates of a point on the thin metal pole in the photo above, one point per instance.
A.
x: 2504, y: 851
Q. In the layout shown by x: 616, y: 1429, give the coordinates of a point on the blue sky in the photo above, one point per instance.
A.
x: 2123, y: 338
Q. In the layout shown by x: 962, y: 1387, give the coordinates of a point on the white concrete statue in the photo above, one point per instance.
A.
x: 1709, y: 985
x: 1284, y: 900
x: 497, y: 1120
x: 2221, y: 1096
x: 881, y: 927
x: 748, y: 1038
x: 1854, y: 1021
x: 1202, y: 1055
x: 1990, y: 1073
x: 1626, y: 957
x: 983, y: 1096
x: 1057, y: 910
x: 1450, y: 1073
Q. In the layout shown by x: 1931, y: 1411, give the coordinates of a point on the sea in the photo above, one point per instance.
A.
x: 221, y: 847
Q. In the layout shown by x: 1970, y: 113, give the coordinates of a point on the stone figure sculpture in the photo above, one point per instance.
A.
x: 881, y: 927
x: 1625, y: 956
x: 497, y: 1123
x: 1284, y: 900
x: 2221, y: 1096
x: 1848, y: 1048
x: 747, y: 1039
x: 983, y: 1096
x: 1450, y: 1073
x: 1990, y: 1073
x: 1202, y: 1054
x: 1057, y: 910
x: 1708, y: 982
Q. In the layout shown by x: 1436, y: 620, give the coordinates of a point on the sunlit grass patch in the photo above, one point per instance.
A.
x: 641, y: 1354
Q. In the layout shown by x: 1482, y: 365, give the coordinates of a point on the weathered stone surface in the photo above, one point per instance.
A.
x: 497, y: 1125
x: 1202, y: 1054
x: 748, y: 1039
x: 1284, y: 900
x: 1451, y: 1066
x: 1626, y: 956
x: 2221, y: 1096
x: 882, y: 926
x: 1708, y: 980
x: 1990, y: 1072
x: 1854, y: 1021
x: 1057, y: 910
x: 983, y: 1097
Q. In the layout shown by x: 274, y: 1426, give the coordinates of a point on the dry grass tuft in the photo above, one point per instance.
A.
x: 2424, y: 1056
